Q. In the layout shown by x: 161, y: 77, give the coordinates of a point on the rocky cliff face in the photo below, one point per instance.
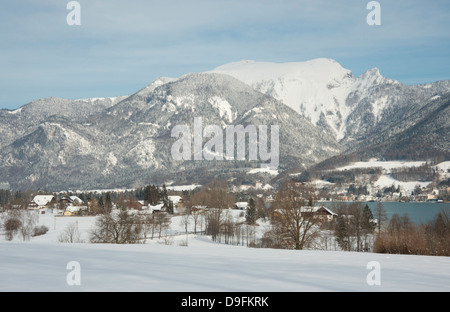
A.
x: 348, y: 108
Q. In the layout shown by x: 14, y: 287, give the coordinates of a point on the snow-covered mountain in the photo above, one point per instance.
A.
x: 331, y: 97
x: 316, y: 89
x: 129, y: 143
x: 321, y: 109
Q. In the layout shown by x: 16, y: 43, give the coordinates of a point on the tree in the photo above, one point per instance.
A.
x: 21, y: 222
x: 165, y: 199
x: 367, y: 226
x: 116, y: 228
x: 261, y: 209
x: 213, y: 221
x: 94, y: 207
x: 251, y: 212
x: 28, y: 222
x: 151, y: 194
x: 101, y: 204
x: 342, y: 233
x: 354, y: 226
x: 71, y: 234
x: 161, y: 221
x: 11, y: 225
x: 154, y: 195
x: 185, y: 221
x: 380, y: 215
x: 108, y: 202
x: 294, y: 228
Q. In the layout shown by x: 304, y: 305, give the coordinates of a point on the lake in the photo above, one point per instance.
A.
x: 417, y: 212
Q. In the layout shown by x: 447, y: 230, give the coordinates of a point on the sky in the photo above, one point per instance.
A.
x: 122, y: 46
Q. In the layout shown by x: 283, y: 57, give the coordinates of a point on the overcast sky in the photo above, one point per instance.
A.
x: 122, y: 46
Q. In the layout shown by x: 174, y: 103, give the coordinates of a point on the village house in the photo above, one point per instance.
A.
x: 41, y: 202
x: 71, y: 200
x: 177, y: 202
x: 199, y: 208
x: 241, y: 205
x: 155, y: 208
x: 140, y: 204
x: 175, y: 199
x: 74, y: 210
x: 444, y: 194
x: 321, y: 213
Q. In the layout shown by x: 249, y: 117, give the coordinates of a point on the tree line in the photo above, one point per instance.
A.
x: 402, y: 236
x: 292, y: 225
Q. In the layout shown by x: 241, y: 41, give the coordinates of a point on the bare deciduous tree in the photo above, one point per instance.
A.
x: 20, y: 221
x: 293, y: 227
x: 71, y: 234
x: 11, y: 224
x: 354, y: 226
x: 162, y: 221
x: 381, y: 215
x: 116, y: 228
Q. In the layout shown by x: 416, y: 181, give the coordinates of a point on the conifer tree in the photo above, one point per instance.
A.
x: 251, y: 212
x: 108, y: 202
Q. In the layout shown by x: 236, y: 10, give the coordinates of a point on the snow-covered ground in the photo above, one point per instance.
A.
x: 386, y: 165
x: 406, y: 187
x: 41, y: 264
x: 386, y: 180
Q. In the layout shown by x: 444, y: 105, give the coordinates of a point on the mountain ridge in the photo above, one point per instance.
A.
x: 128, y: 143
x: 125, y: 141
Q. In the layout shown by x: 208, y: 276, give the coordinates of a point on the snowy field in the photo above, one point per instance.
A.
x: 386, y: 165
x: 386, y: 180
x: 41, y: 264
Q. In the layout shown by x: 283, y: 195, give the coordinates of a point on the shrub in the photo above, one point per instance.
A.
x: 403, y: 237
x: 39, y: 230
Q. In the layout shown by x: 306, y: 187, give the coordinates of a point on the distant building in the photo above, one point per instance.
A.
x: 241, y: 205
x: 175, y: 199
x: 321, y: 213
x: 42, y: 201
x: 74, y: 210
x: 71, y: 200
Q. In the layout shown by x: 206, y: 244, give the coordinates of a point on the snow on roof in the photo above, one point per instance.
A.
x: 75, y: 198
x: 241, y: 204
x: 316, y: 208
x: 175, y: 199
x: 42, y: 200
x: 156, y: 207
x: 75, y: 208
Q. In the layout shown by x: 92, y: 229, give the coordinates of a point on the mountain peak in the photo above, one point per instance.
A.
x: 249, y: 70
x: 313, y: 88
x: 372, y: 72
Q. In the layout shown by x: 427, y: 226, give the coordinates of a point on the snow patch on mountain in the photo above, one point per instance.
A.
x: 406, y: 187
x: 225, y: 109
x: 16, y: 111
x: 314, y: 88
x: 386, y: 165
x: 143, y: 154
x: 321, y: 90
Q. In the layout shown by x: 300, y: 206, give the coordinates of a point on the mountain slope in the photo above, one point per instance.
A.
x: 348, y: 108
x: 20, y: 121
x: 316, y: 89
x: 422, y: 134
x: 129, y: 143
x: 144, y: 136
x: 321, y: 110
